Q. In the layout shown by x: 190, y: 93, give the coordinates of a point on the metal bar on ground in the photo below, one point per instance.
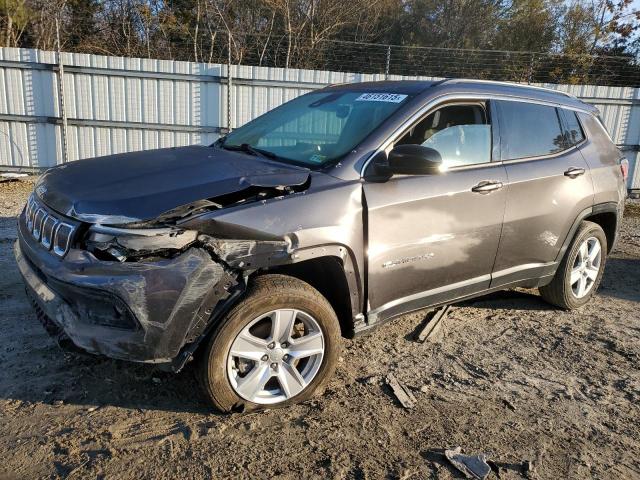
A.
x: 432, y: 323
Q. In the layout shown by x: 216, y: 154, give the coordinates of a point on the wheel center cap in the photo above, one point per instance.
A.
x: 276, y: 355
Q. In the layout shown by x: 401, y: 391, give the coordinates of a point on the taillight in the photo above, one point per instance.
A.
x: 624, y: 167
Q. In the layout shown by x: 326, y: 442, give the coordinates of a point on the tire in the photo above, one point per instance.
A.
x: 561, y: 292
x: 287, y: 300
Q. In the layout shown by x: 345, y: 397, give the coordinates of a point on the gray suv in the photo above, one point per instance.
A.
x: 322, y: 218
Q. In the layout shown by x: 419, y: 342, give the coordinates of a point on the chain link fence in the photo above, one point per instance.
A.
x: 347, y: 56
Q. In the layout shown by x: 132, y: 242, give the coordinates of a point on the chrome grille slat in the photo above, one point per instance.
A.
x: 38, y: 220
x: 47, y: 228
x: 62, y: 240
x: 30, y: 212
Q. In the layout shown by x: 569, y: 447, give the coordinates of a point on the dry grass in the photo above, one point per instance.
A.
x: 632, y: 208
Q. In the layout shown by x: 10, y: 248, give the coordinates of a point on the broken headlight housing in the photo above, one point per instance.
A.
x: 135, y: 244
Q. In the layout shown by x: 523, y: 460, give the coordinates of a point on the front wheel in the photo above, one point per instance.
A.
x: 580, y: 272
x: 278, y: 346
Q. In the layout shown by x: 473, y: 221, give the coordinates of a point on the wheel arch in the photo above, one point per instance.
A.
x: 608, y: 221
x: 333, y: 276
x: 607, y: 214
x: 330, y: 269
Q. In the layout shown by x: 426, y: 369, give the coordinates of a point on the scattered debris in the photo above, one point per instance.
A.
x: 473, y: 466
x: 77, y: 469
x: 525, y: 468
x: 10, y: 176
x: 402, y: 393
x: 509, y: 405
x: 432, y: 323
x: 372, y: 380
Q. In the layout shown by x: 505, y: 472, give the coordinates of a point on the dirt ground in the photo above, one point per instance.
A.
x: 510, y: 376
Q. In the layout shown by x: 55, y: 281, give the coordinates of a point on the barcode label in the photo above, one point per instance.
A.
x: 381, y: 97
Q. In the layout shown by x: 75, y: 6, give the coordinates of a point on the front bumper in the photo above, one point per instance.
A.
x: 142, y: 311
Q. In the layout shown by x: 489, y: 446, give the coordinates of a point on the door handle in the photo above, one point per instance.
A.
x: 574, y: 172
x: 487, y: 187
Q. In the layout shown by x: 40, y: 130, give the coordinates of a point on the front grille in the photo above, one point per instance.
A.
x: 47, y: 228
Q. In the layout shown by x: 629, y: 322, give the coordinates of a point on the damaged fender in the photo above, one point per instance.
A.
x: 281, y: 231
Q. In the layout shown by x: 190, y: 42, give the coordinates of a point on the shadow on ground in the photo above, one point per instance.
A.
x: 621, y: 279
x: 509, y: 299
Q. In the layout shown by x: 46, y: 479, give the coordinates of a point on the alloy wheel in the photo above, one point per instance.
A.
x: 586, y: 267
x: 275, y: 356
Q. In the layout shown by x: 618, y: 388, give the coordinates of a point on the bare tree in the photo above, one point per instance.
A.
x: 15, y: 18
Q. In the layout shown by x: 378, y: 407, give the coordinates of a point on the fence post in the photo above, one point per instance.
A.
x: 61, y: 105
x: 531, y: 62
x: 229, y: 85
x: 386, y: 68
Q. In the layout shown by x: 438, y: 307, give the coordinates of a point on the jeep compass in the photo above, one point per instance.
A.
x: 322, y: 218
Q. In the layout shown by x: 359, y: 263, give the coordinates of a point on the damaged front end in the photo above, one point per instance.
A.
x: 150, y: 289
x: 144, y: 310
x: 135, y: 244
x: 210, y: 272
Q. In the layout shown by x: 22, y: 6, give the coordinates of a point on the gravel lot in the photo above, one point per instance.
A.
x: 509, y: 376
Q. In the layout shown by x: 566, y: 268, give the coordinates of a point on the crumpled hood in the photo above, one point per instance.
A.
x: 139, y: 186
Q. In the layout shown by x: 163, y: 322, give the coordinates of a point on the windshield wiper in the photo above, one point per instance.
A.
x: 245, y: 147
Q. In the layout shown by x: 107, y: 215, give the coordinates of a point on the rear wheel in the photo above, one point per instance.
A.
x: 278, y: 346
x: 580, y: 272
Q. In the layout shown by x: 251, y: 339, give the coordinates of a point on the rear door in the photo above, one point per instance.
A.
x: 549, y: 186
x: 432, y: 238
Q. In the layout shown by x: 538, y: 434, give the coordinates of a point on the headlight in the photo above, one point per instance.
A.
x: 122, y: 244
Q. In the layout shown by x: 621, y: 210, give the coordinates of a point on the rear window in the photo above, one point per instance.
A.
x: 529, y: 130
x: 574, y: 132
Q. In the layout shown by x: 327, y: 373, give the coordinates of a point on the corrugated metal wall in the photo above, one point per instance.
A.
x: 116, y: 104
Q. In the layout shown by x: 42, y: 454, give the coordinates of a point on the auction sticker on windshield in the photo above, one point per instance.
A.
x: 381, y: 97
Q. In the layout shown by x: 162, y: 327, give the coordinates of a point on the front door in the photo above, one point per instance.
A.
x: 433, y: 238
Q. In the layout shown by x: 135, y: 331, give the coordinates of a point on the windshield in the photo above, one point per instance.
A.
x: 316, y: 129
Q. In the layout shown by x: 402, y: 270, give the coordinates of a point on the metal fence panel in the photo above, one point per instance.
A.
x: 117, y: 104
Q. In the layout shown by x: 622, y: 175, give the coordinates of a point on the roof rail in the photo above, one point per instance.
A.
x: 510, y: 84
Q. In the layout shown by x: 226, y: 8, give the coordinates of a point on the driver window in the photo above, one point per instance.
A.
x: 460, y: 133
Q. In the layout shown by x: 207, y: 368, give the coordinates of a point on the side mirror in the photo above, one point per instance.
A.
x: 414, y: 160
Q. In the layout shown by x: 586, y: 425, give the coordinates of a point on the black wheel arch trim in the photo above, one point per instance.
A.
x: 606, y: 207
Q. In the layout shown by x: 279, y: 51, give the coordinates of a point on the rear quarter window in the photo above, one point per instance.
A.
x: 529, y: 130
x: 574, y: 133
